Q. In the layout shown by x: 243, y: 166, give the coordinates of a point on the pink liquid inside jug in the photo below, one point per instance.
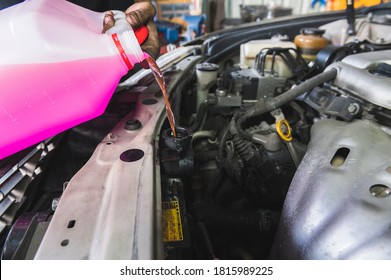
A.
x: 56, y: 68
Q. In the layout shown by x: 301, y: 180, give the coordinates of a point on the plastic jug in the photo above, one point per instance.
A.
x: 57, y: 69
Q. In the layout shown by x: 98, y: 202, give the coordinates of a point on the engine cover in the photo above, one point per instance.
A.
x: 357, y: 75
x: 339, y: 203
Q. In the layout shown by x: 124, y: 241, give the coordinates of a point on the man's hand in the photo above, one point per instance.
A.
x: 140, y: 13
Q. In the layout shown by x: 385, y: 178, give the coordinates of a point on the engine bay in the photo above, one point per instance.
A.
x: 283, y: 152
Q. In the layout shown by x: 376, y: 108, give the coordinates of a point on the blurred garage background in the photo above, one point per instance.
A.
x: 179, y: 21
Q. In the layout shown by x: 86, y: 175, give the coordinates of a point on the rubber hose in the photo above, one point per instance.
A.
x: 223, y: 139
x: 201, y: 114
x: 177, y: 96
x: 203, y: 134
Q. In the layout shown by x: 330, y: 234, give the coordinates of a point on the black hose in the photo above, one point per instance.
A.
x: 223, y: 139
x: 177, y: 96
x: 201, y: 115
x: 267, y: 105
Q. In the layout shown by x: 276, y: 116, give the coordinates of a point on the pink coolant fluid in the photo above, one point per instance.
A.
x: 56, y: 68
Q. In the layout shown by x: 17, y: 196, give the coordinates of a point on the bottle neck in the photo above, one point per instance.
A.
x: 128, y: 48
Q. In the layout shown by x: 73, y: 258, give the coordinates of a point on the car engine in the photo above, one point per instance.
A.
x: 283, y: 152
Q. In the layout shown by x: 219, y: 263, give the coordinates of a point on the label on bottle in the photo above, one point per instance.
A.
x: 121, y: 51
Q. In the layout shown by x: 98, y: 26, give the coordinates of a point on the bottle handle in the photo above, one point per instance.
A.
x: 122, y: 25
x: 120, y: 32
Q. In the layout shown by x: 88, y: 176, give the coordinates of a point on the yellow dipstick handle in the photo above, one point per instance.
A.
x: 281, y: 126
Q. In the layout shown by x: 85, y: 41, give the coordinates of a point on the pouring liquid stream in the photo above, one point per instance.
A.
x: 157, y: 73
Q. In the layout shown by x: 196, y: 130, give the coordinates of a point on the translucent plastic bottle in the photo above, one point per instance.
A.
x: 57, y: 69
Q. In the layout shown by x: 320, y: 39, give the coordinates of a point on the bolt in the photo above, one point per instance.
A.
x: 278, y: 169
x: 221, y: 93
x: 132, y: 124
x: 353, y: 108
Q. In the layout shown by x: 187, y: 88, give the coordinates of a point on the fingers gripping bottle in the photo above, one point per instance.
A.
x: 57, y: 69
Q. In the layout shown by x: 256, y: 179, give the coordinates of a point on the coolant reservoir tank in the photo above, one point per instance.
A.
x: 251, y: 49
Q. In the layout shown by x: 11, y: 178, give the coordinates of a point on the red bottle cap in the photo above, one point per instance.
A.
x: 141, y: 34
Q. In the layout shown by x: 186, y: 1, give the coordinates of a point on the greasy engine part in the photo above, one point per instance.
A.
x: 264, y: 175
x: 267, y: 105
x: 251, y: 85
x: 328, y: 103
x: 267, y: 78
x: 226, y: 224
x: 338, y: 205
